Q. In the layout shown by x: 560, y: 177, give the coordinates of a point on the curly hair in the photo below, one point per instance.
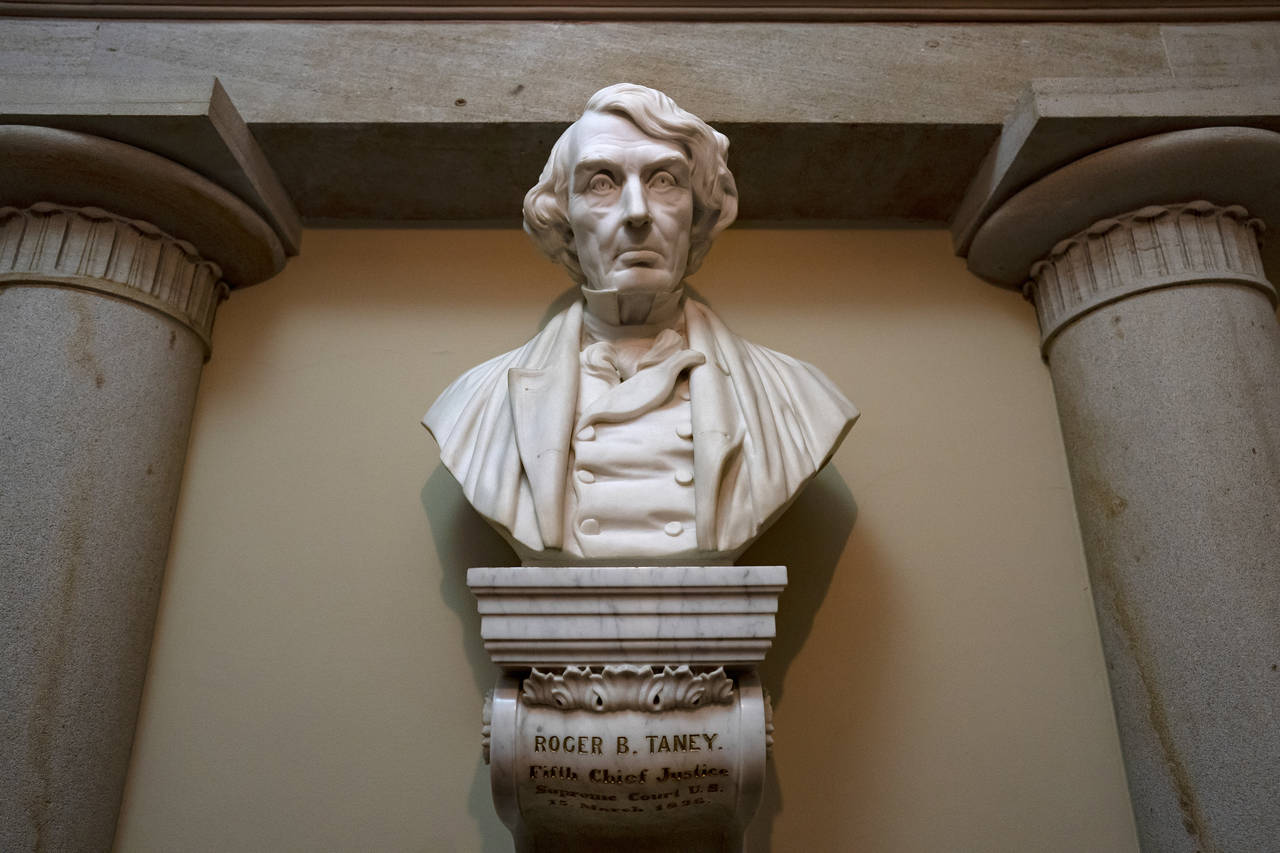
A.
x: 715, y: 195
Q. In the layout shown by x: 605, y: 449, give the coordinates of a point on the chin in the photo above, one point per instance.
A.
x: 643, y: 280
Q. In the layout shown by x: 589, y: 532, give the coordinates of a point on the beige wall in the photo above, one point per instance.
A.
x: 317, y: 673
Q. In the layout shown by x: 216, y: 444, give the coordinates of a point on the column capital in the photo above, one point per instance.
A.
x: 1227, y: 166
x: 1146, y: 249
x: 91, y: 249
x: 71, y: 170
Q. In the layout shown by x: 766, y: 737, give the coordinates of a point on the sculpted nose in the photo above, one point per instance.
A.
x: 635, y: 204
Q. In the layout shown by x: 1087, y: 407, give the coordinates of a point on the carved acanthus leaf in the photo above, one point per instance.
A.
x: 486, y: 724
x: 768, y: 724
x: 1154, y: 247
x: 626, y: 687
x: 93, y: 249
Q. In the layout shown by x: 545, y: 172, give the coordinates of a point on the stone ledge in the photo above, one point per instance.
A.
x: 189, y: 121
x: 660, y: 10
x: 1058, y: 121
x: 76, y: 170
x: 699, y: 615
x: 422, y: 123
x: 1222, y: 165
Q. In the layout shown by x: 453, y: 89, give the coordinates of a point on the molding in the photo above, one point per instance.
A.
x: 77, y: 170
x: 1147, y: 249
x: 191, y: 122
x: 549, y: 616
x: 91, y: 249
x: 1060, y: 120
x: 628, y: 688
x: 834, y: 11
x: 768, y: 723
x: 405, y: 124
x: 486, y: 725
x: 1226, y: 165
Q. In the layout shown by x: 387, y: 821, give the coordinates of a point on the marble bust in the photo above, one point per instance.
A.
x: 635, y: 428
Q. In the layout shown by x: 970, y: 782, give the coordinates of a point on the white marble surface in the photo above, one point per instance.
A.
x: 628, y: 780
x: 635, y: 427
x: 545, y: 615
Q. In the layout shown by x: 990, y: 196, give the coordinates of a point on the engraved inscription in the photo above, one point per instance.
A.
x: 619, y: 769
x: 682, y: 742
x: 569, y: 743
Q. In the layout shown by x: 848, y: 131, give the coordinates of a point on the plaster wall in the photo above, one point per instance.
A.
x: 316, y: 677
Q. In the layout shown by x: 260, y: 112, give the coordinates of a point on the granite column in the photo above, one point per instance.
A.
x: 1159, y: 329
x: 106, y: 312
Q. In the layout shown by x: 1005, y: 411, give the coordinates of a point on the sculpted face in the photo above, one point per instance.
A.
x: 630, y: 207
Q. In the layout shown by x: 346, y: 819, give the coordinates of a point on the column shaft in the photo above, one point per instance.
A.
x: 1165, y: 354
x: 103, y: 323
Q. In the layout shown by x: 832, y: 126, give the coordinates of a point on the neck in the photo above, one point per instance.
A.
x: 612, y: 315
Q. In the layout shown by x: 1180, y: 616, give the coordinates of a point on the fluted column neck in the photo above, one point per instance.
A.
x: 1146, y: 249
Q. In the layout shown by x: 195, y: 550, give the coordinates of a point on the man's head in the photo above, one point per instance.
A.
x: 633, y: 192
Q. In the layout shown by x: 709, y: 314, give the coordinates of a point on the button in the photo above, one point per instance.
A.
x: 684, y: 392
x: 684, y: 476
x: 684, y: 430
x: 586, y: 477
x: 674, y: 528
x: 586, y: 433
x: 589, y: 526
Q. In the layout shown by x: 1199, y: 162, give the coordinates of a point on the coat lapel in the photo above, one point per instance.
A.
x: 543, y: 403
x: 717, y: 424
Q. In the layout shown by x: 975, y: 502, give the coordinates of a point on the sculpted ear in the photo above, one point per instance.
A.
x: 728, y: 212
x: 710, y: 222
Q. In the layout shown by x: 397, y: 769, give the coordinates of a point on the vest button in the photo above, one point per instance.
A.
x: 586, y: 476
x: 586, y: 433
x: 685, y: 430
x: 684, y: 476
x: 684, y: 393
x: 674, y: 528
x: 589, y: 526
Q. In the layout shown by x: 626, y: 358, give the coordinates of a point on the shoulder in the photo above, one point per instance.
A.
x: 773, y: 387
x: 484, y: 386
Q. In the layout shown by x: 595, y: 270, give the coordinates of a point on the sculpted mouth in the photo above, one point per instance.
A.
x: 639, y: 258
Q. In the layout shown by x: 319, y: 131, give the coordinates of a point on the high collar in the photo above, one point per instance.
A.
x: 601, y: 319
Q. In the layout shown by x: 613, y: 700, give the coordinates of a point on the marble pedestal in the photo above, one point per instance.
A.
x: 629, y: 716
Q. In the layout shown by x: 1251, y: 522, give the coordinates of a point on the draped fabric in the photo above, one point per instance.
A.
x: 637, y: 384
x: 763, y: 422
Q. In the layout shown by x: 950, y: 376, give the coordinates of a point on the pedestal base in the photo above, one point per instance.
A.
x: 655, y: 739
x: 676, y: 763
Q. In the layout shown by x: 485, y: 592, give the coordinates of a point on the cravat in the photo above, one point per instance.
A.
x: 643, y: 382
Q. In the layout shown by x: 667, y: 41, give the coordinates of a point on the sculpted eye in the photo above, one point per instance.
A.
x: 600, y: 183
x: 662, y: 181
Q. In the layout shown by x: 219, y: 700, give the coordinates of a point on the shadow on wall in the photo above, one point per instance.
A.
x: 463, y: 539
x: 808, y: 539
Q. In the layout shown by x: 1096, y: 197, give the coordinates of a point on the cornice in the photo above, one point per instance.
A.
x: 1228, y: 166
x: 852, y: 11
x: 76, y: 170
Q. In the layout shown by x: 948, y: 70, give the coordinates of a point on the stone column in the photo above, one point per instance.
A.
x: 105, y: 322
x: 1160, y: 332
